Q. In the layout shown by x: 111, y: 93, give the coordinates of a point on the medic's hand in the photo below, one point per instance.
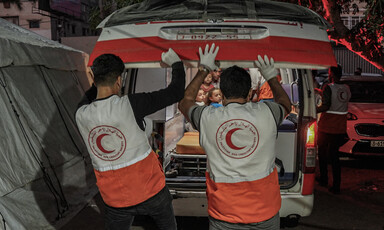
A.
x: 170, y: 57
x: 266, y: 67
x: 207, y: 59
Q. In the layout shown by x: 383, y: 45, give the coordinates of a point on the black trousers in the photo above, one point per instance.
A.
x: 328, y: 146
x: 159, y: 207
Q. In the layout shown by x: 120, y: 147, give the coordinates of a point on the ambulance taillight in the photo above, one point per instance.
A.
x: 310, y: 149
x: 309, y: 163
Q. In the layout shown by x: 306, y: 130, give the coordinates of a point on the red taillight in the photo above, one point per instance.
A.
x: 309, y: 164
x: 310, y: 149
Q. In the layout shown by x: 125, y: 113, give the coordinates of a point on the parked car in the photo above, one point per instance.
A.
x: 365, y: 125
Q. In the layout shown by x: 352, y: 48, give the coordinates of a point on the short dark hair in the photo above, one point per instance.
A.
x: 235, y: 82
x: 337, y: 71
x: 106, y: 69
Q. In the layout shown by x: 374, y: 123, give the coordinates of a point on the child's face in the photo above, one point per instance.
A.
x: 200, y: 96
x: 208, y: 79
x: 216, y: 96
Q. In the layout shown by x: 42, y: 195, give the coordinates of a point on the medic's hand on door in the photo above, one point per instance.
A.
x: 170, y: 57
x: 266, y: 67
x: 207, y: 59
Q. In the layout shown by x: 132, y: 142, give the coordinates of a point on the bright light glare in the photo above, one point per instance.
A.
x: 311, y: 134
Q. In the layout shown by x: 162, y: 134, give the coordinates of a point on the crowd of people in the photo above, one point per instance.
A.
x: 210, y: 93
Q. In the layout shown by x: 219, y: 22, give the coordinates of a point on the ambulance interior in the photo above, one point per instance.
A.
x: 184, y: 161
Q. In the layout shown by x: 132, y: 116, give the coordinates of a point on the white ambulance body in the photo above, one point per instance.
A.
x: 294, y: 36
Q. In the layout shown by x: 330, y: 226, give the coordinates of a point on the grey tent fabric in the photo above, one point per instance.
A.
x: 215, y: 10
x: 46, y: 176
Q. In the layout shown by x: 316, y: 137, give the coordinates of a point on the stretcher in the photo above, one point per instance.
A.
x: 189, y: 144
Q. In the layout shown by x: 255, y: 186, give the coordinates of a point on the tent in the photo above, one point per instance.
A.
x: 46, y: 176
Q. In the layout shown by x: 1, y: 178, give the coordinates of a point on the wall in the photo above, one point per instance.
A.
x: 85, y: 44
x: 350, y: 61
x: 26, y: 14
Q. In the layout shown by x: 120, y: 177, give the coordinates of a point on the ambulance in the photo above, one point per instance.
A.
x: 294, y: 36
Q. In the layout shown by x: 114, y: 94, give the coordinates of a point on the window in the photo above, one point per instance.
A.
x: 83, y: 8
x: 350, y: 22
x: 7, y: 5
x: 73, y: 29
x: 354, y: 21
x: 34, y: 23
x: 345, y: 21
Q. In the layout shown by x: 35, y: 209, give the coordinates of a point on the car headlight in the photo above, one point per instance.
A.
x: 351, y: 116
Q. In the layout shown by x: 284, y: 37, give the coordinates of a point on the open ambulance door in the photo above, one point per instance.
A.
x: 294, y: 36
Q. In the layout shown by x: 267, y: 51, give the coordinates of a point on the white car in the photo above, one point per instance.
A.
x: 365, y: 125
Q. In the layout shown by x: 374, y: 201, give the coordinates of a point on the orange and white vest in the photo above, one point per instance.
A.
x: 334, y: 120
x: 242, y: 181
x: 127, y: 170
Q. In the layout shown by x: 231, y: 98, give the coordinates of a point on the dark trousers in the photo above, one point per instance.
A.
x: 159, y: 207
x: 271, y: 224
x: 328, y: 146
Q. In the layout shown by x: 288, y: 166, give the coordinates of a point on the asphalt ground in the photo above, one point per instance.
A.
x: 360, y: 206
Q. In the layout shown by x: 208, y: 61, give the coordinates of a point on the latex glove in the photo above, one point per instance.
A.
x: 170, y: 57
x: 207, y: 58
x: 266, y: 67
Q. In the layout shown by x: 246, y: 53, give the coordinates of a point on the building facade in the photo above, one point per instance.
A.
x: 353, y: 14
x: 53, y: 19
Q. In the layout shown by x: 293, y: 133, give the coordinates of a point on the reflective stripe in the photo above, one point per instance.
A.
x: 336, y: 112
x: 125, y: 164
x: 147, y: 49
x: 242, y: 179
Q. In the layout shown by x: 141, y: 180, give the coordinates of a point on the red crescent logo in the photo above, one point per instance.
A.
x: 98, y: 143
x: 228, y: 139
x: 342, y: 95
x: 116, y: 140
x: 249, y: 138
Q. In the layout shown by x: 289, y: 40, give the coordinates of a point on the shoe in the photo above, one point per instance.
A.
x: 334, y: 190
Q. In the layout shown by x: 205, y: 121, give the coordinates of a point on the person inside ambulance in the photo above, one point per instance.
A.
x: 129, y: 176
x: 262, y: 90
x: 216, y: 77
x: 239, y: 140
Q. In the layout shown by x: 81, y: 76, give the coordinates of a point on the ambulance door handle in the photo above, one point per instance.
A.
x: 292, y: 94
